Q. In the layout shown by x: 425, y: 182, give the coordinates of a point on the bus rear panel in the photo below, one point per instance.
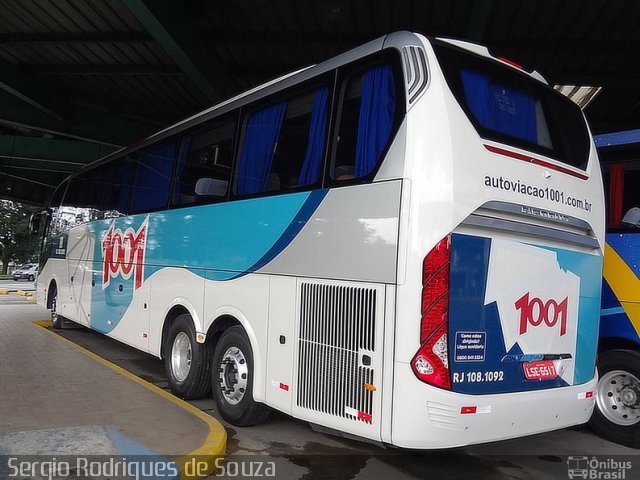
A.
x: 497, y: 317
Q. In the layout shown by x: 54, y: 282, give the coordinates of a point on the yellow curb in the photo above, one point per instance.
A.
x: 4, y: 292
x: 22, y: 292
x: 215, y: 444
x: 31, y: 298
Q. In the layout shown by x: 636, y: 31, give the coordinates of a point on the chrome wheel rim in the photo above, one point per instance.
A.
x: 618, y: 397
x: 233, y: 375
x: 181, y: 355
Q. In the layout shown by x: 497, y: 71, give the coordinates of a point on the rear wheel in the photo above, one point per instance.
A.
x: 232, y: 380
x: 56, y: 320
x: 187, y: 362
x: 31, y: 278
x: 617, y: 413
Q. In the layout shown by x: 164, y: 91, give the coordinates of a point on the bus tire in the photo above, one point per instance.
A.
x: 616, y: 416
x: 56, y: 320
x: 232, y: 380
x: 186, y: 361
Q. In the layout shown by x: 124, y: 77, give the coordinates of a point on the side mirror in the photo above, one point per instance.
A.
x: 35, y: 221
x: 211, y: 187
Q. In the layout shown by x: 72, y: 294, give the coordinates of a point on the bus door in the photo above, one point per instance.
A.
x: 76, y: 287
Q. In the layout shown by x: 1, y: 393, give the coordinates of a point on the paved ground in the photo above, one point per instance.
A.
x: 55, y: 400
x: 300, y: 452
x: 17, y: 285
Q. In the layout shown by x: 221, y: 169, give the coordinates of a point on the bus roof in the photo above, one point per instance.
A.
x: 395, y: 39
x: 484, y: 52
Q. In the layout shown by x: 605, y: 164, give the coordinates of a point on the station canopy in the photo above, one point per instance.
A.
x: 80, y: 79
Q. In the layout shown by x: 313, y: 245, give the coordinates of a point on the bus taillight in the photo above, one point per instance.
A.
x: 431, y: 363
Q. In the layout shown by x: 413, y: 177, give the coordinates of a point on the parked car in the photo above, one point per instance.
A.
x: 28, y: 271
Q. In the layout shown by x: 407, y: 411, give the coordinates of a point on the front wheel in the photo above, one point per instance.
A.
x: 56, y: 320
x: 31, y: 278
x: 617, y: 413
x: 232, y: 380
x: 187, y: 362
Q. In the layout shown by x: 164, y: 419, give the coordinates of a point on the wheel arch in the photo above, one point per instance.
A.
x: 228, y: 317
x: 617, y: 343
x: 174, y: 312
x: 52, y: 285
x: 218, y: 326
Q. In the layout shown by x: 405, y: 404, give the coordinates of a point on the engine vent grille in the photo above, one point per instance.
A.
x: 416, y: 75
x: 337, y: 334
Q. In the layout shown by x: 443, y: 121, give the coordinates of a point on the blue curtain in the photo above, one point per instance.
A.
x: 500, y: 108
x: 315, y: 146
x: 377, y: 108
x: 261, y: 135
x: 153, y: 178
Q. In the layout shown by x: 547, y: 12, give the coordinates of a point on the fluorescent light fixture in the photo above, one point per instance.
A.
x: 581, y: 95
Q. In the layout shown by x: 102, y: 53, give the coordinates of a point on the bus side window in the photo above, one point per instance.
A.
x: 367, y: 116
x: 204, y: 163
x: 101, y: 192
x: 153, y: 177
x: 283, y: 144
x: 112, y: 186
x: 78, y: 205
x: 55, y: 226
x: 300, y: 149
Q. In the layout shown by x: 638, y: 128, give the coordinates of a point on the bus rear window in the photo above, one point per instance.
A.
x: 508, y: 106
x: 505, y: 110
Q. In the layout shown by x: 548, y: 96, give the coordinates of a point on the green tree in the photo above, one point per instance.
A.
x: 16, y: 244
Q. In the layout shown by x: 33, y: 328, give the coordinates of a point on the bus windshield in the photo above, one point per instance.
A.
x: 510, y: 107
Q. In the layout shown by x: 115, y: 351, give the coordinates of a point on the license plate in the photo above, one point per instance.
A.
x: 541, y: 370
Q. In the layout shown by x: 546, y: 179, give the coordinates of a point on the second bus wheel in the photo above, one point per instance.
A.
x: 232, y: 380
x: 186, y: 362
x: 617, y: 413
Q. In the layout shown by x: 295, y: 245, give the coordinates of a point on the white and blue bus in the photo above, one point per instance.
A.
x: 403, y: 243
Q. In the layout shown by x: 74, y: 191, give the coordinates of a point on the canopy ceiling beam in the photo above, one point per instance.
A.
x: 170, y: 24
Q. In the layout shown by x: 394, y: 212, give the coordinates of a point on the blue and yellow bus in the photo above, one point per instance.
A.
x: 617, y: 416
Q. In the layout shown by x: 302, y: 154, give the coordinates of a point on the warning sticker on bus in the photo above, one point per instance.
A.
x: 470, y: 346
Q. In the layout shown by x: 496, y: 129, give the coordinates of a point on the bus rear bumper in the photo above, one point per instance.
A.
x: 426, y: 417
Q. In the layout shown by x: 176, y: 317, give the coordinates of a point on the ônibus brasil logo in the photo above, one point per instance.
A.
x: 123, y: 254
x: 535, y: 311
